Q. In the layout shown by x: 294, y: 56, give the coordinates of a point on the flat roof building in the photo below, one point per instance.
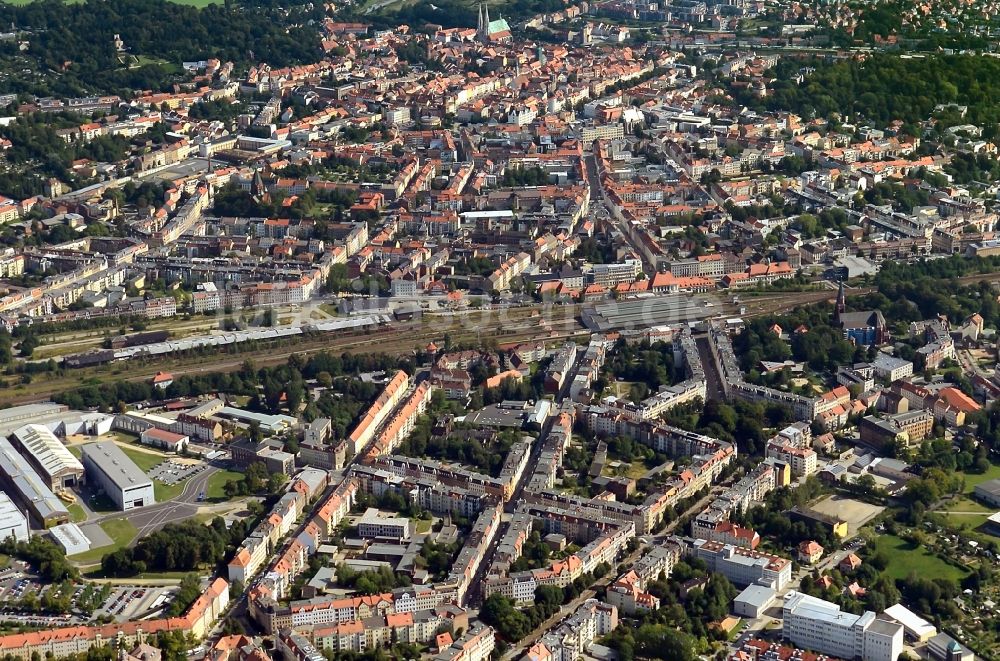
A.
x: 71, y: 538
x: 753, y: 601
x: 53, y: 462
x: 267, y: 452
x: 945, y: 648
x: 122, y: 481
x: 28, y: 490
x: 989, y: 492
x: 914, y: 626
x: 743, y: 566
x: 819, y: 625
x: 15, y: 416
x: 270, y: 424
x: 375, y: 524
x: 13, y: 522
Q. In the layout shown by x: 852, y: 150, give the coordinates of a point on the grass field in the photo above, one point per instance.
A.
x: 633, y: 470
x: 965, y: 512
x: 216, y: 481
x: 143, y: 460
x: 905, y: 558
x: 126, y: 437
x: 121, y: 532
x: 164, y: 492
x: 972, y: 479
x: 77, y: 512
x: 422, y: 525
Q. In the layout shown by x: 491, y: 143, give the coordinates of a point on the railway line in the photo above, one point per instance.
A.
x: 524, y: 324
x: 401, y: 338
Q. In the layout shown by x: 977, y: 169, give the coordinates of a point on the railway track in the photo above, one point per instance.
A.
x: 398, y: 340
x: 532, y: 323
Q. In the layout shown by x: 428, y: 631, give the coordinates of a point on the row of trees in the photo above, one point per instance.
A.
x: 244, y: 381
x: 44, y: 555
x: 185, y: 546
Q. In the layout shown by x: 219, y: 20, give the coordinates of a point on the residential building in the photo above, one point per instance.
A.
x: 742, y: 566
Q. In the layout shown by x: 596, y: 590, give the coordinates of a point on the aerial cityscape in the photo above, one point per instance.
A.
x: 523, y: 330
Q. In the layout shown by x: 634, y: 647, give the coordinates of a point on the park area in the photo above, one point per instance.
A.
x: 906, y: 558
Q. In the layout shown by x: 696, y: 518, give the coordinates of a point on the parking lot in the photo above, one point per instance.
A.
x: 131, y: 602
x: 122, y: 603
x: 19, y: 580
x: 174, y: 472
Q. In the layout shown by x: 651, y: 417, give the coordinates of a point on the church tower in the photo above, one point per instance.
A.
x: 258, y: 190
x: 483, y: 29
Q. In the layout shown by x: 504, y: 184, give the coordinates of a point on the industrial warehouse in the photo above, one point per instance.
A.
x: 120, y: 479
x: 21, y: 482
x: 50, y: 458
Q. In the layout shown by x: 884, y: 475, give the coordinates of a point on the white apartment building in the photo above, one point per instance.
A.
x: 802, y: 460
x: 373, y: 524
x: 892, y: 368
x: 609, y: 275
x: 574, y: 636
x: 742, y: 566
x: 820, y: 625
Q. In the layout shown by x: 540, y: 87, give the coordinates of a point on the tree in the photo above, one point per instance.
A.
x: 236, y: 589
x: 275, y: 481
x: 499, y: 612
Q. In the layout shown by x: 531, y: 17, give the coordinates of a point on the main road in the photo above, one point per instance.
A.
x: 604, y: 211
